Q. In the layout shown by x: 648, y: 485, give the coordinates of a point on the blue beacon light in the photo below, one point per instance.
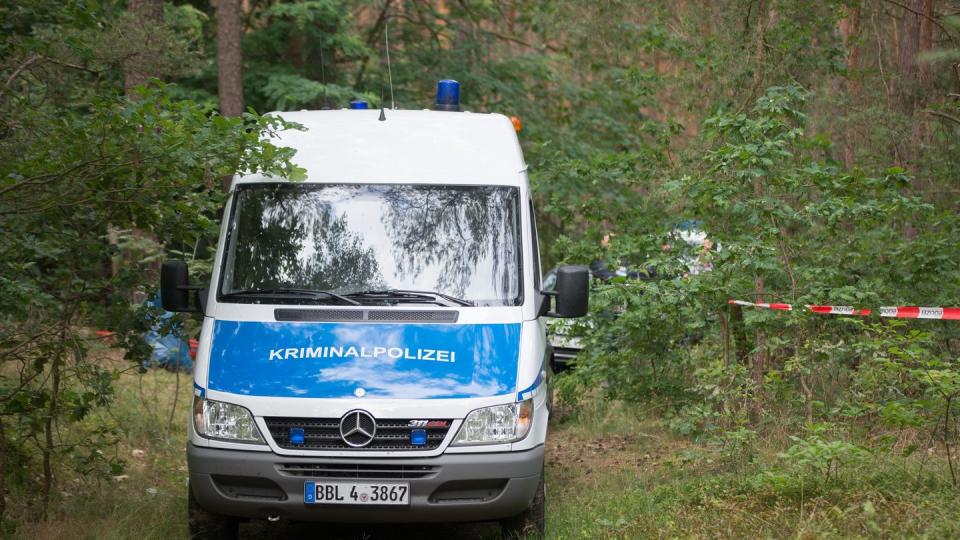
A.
x: 359, y: 104
x: 448, y: 95
x: 418, y: 437
x: 297, y: 436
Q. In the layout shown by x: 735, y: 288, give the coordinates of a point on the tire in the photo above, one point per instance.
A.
x: 531, y: 523
x: 206, y: 525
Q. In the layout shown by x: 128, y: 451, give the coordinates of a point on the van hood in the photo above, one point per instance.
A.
x: 336, y: 360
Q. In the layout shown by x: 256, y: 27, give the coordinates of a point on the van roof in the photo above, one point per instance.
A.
x: 423, y: 147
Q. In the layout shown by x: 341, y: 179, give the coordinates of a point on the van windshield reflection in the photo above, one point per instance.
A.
x: 460, y: 243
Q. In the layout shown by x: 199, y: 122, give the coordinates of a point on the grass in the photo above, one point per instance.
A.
x: 148, y: 500
x: 628, y: 477
x: 611, y: 473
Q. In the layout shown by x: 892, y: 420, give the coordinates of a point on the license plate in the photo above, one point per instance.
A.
x: 362, y: 493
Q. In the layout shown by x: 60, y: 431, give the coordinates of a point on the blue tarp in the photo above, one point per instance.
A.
x: 169, y: 351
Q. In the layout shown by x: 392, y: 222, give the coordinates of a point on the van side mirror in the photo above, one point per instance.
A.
x: 572, y: 292
x: 175, y: 289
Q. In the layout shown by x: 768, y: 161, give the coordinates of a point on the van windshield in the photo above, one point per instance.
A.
x: 460, y: 241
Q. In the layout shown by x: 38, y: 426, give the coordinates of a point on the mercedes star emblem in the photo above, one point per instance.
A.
x: 358, y: 428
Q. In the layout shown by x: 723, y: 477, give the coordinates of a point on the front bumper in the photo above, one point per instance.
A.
x: 445, y: 488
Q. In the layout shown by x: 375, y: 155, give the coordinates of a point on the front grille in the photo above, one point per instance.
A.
x: 370, y: 315
x: 324, y: 434
x: 358, y: 471
x: 565, y: 354
x: 413, y: 316
x: 318, y: 315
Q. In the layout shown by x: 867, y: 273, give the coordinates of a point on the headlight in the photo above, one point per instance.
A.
x: 497, y: 424
x: 219, y: 420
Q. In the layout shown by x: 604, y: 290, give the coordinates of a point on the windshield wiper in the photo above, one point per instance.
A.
x: 289, y: 293
x: 416, y: 297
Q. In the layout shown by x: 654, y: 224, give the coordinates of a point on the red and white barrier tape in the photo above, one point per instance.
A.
x: 781, y: 307
x: 840, y: 310
x: 916, y: 312
x: 900, y: 312
x: 826, y: 310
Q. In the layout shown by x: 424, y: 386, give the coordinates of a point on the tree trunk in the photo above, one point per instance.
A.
x: 229, y: 57
x: 229, y: 62
x: 908, y: 48
x: 759, y: 46
x: 760, y: 356
x: 3, y: 471
x: 741, y: 347
x: 926, y: 43
x: 373, y: 35
x: 49, y: 422
x: 849, y: 28
x: 725, y: 337
x: 924, y: 82
x: 910, y: 82
x: 139, y: 68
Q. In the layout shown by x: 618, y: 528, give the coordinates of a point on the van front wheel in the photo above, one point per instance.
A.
x: 207, y: 525
x: 530, y: 523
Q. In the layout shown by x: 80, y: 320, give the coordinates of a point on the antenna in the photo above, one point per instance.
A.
x: 386, y: 38
x: 323, y: 74
x: 324, y: 104
x: 383, y: 117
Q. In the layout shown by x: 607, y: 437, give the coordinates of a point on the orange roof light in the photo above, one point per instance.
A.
x: 517, y: 124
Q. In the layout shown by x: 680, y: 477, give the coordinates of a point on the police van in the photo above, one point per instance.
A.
x: 372, y: 346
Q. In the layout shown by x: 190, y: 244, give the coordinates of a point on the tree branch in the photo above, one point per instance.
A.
x: 16, y: 73
x: 50, y: 177
x: 501, y: 36
x: 934, y: 20
x: 519, y: 41
x: 371, y: 35
x: 944, y: 115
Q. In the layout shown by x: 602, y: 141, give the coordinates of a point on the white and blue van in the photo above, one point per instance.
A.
x: 372, y: 347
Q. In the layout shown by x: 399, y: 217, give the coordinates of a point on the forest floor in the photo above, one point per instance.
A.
x: 610, y: 474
